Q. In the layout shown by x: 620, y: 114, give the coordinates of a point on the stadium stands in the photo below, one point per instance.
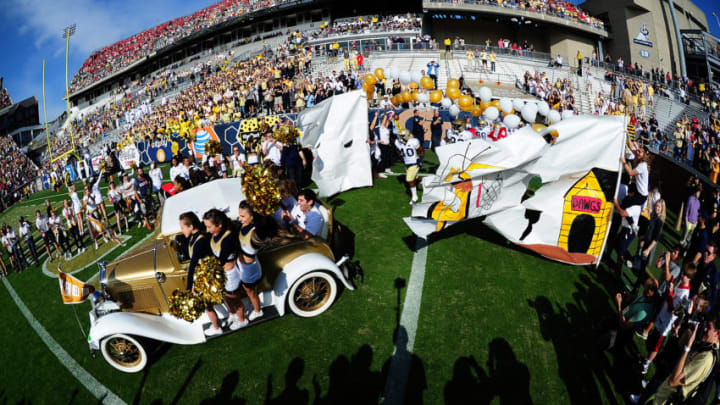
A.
x: 5, y: 99
x: 123, y: 53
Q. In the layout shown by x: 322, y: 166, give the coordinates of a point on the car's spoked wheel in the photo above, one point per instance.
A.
x: 312, y: 294
x: 123, y: 352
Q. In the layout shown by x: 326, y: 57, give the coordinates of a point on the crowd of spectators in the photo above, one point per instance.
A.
x: 127, y: 51
x: 5, y: 99
x: 17, y: 171
x: 556, y: 8
x: 558, y: 93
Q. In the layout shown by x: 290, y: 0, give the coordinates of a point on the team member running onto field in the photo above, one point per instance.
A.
x: 411, y: 151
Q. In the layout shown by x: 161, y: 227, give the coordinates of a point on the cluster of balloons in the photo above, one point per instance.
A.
x: 454, y: 101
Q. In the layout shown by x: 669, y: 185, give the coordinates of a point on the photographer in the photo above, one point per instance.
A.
x: 706, y: 282
x: 696, y: 363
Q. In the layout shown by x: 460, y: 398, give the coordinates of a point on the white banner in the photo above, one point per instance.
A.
x: 555, y: 199
x: 337, y: 132
x: 128, y: 155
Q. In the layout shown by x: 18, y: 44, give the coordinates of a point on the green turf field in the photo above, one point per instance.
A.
x: 497, y: 324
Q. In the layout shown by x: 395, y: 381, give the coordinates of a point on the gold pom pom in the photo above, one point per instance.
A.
x: 261, y: 190
x: 286, y: 134
x: 184, y: 305
x: 213, y: 147
x: 209, y: 280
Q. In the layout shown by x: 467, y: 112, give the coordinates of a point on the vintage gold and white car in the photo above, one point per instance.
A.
x: 130, y: 302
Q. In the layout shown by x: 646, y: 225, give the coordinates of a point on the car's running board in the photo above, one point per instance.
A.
x: 269, y: 312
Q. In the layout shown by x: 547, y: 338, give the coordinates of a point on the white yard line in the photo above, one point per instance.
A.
x: 405, y: 336
x: 53, y: 274
x: 98, y: 390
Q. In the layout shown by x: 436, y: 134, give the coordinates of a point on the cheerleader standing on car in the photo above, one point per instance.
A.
x: 247, y: 263
x: 223, y: 245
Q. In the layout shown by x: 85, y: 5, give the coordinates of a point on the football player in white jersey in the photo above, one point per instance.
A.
x: 411, y: 151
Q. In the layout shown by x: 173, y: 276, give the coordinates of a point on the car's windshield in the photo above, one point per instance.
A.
x: 179, y: 252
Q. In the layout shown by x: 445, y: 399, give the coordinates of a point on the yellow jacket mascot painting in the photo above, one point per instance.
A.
x: 555, y: 199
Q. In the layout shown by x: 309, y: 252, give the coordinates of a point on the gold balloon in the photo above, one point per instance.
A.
x: 538, y: 127
x: 370, y: 79
x: 465, y: 101
x: 365, y: 86
x: 380, y: 73
x: 414, y: 96
x: 413, y: 85
x: 435, y: 96
x: 453, y: 84
x: 406, y: 97
x: 394, y: 100
x: 496, y: 103
x: 484, y: 105
x: 427, y: 82
x: 453, y: 93
x: 476, y: 110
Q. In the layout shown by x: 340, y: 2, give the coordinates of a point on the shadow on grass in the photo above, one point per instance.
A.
x: 507, y: 378
x: 589, y: 374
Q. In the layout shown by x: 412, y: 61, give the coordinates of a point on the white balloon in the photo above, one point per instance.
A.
x: 423, y: 98
x: 416, y: 77
x: 529, y: 112
x: 518, y: 104
x: 543, y: 108
x: 392, y: 72
x: 506, y: 105
x: 446, y: 102
x: 454, y: 110
x: 511, y: 121
x: 491, y: 113
x: 568, y: 114
x: 485, y: 94
x: 404, y: 77
x: 553, y: 116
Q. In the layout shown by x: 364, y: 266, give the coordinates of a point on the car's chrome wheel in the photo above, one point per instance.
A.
x: 312, y: 294
x: 124, y: 352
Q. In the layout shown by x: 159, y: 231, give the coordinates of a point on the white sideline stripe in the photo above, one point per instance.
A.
x: 402, y: 359
x: 55, y: 275
x: 88, y: 381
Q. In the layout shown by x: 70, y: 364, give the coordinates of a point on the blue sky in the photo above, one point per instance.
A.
x: 31, y: 31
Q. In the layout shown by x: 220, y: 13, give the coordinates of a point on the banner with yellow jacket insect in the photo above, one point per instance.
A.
x: 553, y: 198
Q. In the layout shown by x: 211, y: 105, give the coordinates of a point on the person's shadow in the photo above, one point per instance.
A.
x: 469, y: 383
x: 225, y: 394
x: 351, y: 381
x: 292, y: 394
x: 509, y: 378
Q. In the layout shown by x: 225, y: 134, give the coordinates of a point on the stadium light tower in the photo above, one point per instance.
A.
x: 67, y: 33
x: 717, y: 20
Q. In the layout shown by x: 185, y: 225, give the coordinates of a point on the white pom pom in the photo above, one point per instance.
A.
x: 446, y: 102
x: 404, y: 77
